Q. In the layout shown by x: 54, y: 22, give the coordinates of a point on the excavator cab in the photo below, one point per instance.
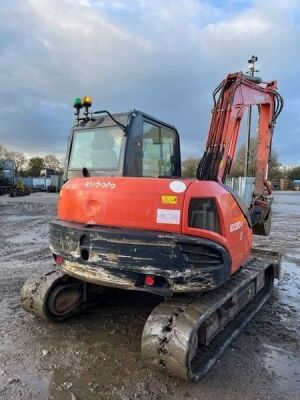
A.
x: 128, y: 144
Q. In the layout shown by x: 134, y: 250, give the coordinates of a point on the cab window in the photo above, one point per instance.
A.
x: 158, y: 150
x: 96, y: 149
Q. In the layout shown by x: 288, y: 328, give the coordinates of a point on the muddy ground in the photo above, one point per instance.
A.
x: 97, y: 355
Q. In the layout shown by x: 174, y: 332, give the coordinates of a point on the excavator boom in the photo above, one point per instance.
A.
x: 236, y: 93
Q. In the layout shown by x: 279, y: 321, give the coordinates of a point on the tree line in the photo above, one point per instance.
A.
x: 30, y: 166
x: 190, y: 165
x: 34, y: 165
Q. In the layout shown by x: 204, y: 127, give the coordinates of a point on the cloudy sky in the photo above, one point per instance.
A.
x: 161, y: 56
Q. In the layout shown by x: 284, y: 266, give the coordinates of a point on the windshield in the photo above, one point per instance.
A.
x: 97, y: 149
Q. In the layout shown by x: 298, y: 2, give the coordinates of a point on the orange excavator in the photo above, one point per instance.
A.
x: 126, y: 219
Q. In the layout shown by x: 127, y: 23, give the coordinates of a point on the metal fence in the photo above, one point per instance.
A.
x: 243, y: 187
x: 36, y: 182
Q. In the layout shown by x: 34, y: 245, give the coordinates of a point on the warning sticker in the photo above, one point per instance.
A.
x: 168, y: 216
x: 177, y: 186
x: 165, y: 199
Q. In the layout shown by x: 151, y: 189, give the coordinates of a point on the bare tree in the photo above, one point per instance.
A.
x: 51, y: 162
x: 18, y: 158
x: 3, y: 151
x: 294, y: 174
x: 238, y: 167
x: 189, y: 167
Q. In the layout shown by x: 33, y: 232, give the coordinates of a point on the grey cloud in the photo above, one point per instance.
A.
x: 164, y: 57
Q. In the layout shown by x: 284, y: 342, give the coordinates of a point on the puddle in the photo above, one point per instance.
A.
x: 290, y: 284
x: 29, y: 380
x: 285, y: 364
x: 286, y: 367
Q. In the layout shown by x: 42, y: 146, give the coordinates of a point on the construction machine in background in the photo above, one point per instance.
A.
x: 126, y: 219
x: 7, y: 176
x: 19, y: 189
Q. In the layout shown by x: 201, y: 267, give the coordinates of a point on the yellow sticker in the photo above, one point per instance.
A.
x: 169, y: 199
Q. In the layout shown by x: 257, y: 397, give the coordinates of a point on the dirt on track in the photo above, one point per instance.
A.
x: 97, y: 355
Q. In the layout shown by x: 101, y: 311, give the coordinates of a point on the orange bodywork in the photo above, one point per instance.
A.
x: 189, y: 234
x: 156, y: 205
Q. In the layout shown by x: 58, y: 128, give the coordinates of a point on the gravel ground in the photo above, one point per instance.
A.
x: 97, y: 355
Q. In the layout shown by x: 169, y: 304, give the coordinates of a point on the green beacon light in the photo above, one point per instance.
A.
x: 77, y: 103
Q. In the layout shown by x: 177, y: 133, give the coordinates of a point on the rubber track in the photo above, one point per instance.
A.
x: 171, y: 327
x: 35, y: 292
x: 37, y: 288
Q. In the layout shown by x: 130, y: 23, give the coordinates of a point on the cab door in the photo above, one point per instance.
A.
x: 152, y: 149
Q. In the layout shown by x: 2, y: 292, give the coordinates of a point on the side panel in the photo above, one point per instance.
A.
x: 235, y: 234
x: 141, y: 203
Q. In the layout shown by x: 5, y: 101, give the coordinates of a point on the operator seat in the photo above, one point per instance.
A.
x: 102, y: 154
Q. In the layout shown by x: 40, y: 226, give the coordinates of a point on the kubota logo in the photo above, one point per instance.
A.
x: 100, y: 185
x: 236, y: 226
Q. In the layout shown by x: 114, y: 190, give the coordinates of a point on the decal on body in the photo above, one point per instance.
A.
x: 165, y: 199
x: 260, y: 98
x: 236, y: 226
x: 164, y: 216
x: 177, y: 186
x: 100, y: 185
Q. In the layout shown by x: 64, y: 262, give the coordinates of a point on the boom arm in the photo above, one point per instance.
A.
x: 236, y: 93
